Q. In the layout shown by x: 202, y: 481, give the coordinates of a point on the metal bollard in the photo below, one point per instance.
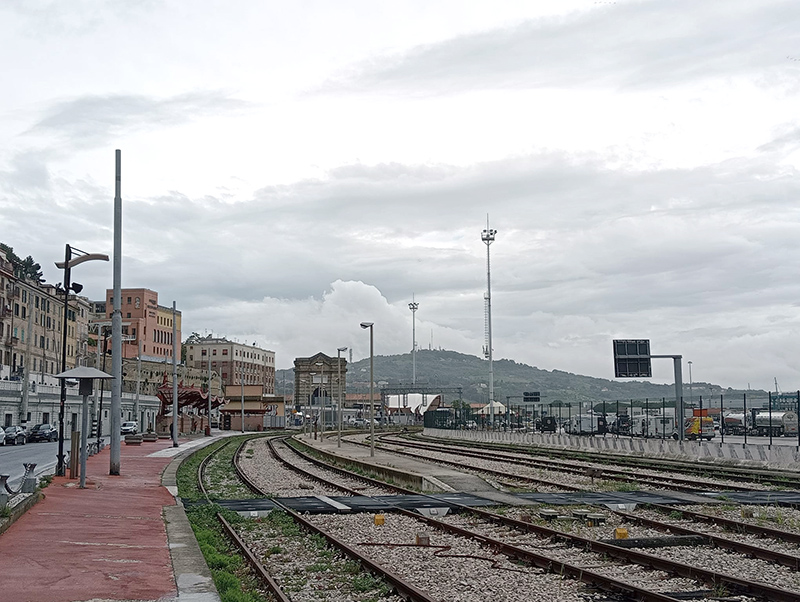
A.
x: 4, y: 484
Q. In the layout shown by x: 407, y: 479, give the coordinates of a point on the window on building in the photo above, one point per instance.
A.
x: 129, y: 314
x: 224, y: 352
x: 204, y: 352
x: 214, y: 352
x: 129, y: 300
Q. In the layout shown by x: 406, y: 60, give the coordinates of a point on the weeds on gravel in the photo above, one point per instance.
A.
x: 617, y: 486
x: 232, y: 576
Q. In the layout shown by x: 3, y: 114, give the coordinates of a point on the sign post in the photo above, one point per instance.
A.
x: 632, y: 360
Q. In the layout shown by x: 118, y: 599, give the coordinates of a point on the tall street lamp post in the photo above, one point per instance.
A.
x: 67, y: 265
x: 371, y: 386
x: 691, y: 401
x: 339, y: 383
x: 413, y: 306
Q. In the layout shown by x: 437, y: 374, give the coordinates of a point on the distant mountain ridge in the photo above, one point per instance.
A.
x: 453, y: 369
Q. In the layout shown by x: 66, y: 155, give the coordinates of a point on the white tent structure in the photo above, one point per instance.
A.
x: 496, y: 407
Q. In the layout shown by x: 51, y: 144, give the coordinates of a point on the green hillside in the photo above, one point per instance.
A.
x: 453, y: 369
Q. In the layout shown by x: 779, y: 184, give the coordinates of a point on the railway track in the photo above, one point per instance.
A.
x: 758, y: 476
x: 735, y: 527
x: 718, y: 580
x: 661, y: 481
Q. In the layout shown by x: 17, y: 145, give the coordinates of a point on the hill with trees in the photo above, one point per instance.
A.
x: 440, y: 368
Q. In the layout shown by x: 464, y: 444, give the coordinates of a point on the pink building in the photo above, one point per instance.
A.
x: 145, y: 323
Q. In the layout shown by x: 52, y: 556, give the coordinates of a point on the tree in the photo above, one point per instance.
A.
x: 24, y: 269
x: 31, y: 270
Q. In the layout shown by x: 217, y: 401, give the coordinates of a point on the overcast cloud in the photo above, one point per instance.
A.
x: 292, y: 170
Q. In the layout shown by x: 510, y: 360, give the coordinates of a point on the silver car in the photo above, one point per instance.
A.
x: 129, y: 428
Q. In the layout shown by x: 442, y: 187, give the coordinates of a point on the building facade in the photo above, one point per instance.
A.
x: 236, y: 363
x: 145, y: 324
x: 31, y: 320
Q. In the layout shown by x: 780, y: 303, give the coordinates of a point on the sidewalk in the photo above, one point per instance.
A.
x: 110, y: 541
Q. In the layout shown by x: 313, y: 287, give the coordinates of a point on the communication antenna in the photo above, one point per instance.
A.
x: 487, y: 236
x: 413, y: 306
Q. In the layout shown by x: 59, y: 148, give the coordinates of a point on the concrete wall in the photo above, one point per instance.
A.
x: 762, y: 455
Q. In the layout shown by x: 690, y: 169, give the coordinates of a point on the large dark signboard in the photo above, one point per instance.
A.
x: 632, y: 358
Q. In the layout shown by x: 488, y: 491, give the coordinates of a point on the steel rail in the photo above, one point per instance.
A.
x: 641, y: 558
x: 404, y: 588
x: 751, y: 475
x: 787, y: 560
x: 677, y: 484
x: 336, y: 469
x: 732, y: 525
x: 262, y: 572
x: 541, y: 561
x: 774, y: 594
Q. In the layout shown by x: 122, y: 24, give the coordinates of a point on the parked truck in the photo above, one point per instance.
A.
x: 779, y: 423
x: 735, y: 424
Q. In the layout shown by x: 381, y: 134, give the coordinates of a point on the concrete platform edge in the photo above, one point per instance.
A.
x: 20, y: 509
x: 192, y: 575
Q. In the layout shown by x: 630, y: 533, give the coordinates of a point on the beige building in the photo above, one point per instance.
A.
x: 236, y: 363
x: 31, y: 316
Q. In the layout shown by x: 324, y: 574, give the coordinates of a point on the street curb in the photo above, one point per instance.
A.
x: 192, y: 575
x: 20, y: 509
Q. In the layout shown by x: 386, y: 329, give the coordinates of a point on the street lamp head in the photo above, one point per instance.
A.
x: 366, y: 324
x: 341, y: 349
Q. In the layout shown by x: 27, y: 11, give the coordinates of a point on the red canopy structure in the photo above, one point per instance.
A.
x: 187, y: 396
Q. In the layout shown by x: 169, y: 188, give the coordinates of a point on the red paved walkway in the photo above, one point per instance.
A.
x: 105, y: 542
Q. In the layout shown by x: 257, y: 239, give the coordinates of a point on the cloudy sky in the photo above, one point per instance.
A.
x: 293, y: 169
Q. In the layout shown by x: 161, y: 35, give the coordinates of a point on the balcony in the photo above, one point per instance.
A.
x: 10, y: 341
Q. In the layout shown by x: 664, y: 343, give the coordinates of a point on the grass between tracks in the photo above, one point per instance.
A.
x: 233, y: 577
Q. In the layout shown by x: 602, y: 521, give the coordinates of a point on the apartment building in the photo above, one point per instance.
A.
x: 31, y: 316
x: 236, y: 363
x: 144, y: 322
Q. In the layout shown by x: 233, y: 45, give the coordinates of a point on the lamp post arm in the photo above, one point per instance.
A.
x: 81, y: 259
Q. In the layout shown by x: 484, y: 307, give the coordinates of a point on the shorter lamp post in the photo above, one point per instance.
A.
x: 85, y: 376
x: 67, y: 265
x: 340, y: 406
x: 369, y: 325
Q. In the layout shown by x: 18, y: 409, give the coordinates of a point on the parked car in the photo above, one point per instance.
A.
x: 15, y: 435
x: 129, y: 428
x: 43, y: 432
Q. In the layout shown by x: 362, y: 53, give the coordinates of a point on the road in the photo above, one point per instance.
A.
x: 12, y: 458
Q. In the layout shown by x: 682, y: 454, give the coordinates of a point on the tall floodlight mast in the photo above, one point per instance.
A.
x: 487, y: 236
x: 413, y: 306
